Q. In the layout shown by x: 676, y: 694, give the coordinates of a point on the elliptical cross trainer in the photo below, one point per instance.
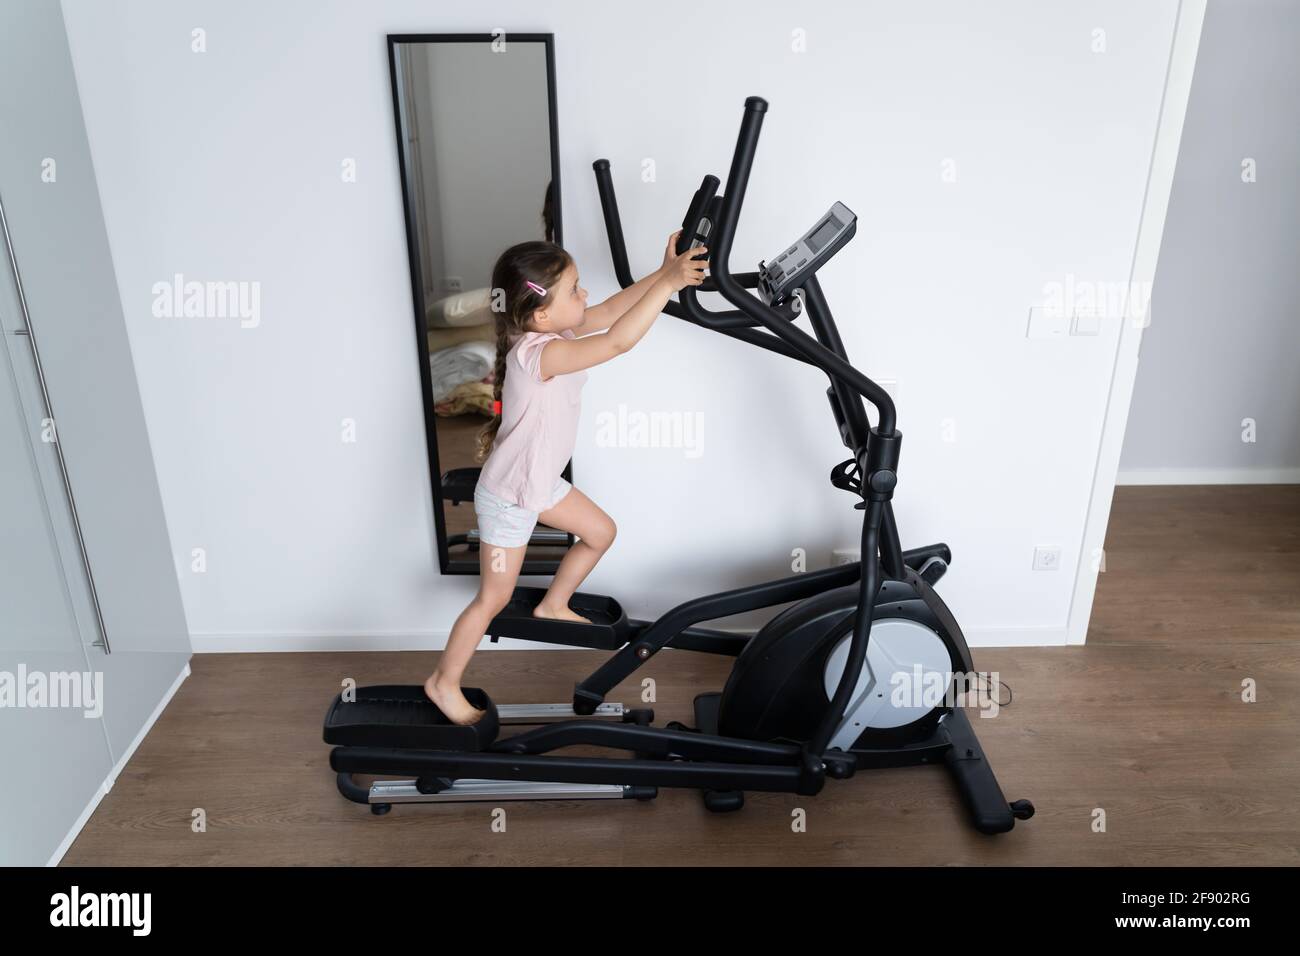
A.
x: 809, y: 695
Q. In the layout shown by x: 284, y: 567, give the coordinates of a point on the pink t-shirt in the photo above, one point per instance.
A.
x: 539, y: 425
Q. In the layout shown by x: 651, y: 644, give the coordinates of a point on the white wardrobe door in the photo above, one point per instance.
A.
x: 53, y: 744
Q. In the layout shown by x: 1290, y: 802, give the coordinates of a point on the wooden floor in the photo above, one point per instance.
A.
x: 1201, y: 591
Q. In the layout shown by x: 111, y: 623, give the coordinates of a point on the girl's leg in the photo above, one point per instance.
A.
x: 499, y: 570
x: 579, y: 515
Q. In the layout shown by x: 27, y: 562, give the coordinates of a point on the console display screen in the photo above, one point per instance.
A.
x: 823, y: 235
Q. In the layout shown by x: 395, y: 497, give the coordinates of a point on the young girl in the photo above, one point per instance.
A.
x: 543, y: 346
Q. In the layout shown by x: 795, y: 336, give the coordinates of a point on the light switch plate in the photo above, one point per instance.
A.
x: 1045, y: 323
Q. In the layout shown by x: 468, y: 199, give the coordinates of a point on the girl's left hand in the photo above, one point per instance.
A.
x: 671, y: 252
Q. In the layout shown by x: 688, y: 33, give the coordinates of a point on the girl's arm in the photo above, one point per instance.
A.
x: 600, y: 317
x: 562, y: 356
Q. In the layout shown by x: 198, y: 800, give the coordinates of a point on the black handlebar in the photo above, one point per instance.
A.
x: 742, y: 161
x: 738, y: 323
x: 732, y: 323
x: 705, y: 205
x: 704, y: 198
x: 613, y: 225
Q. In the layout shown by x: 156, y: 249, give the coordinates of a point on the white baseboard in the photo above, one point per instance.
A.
x: 288, y: 642
x: 280, y: 642
x: 107, y: 785
x: 978, y: 637
x: 1209, y: 476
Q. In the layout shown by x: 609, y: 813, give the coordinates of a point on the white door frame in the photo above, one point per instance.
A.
x: 1155, y: 204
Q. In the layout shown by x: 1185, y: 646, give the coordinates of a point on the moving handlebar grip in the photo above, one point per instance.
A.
x: 613, y: 225
x: 742, y: 161
x: 707, y: 201
x: 808, y: 348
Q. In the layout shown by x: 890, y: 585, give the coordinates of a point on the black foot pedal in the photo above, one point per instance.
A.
x: 403, y: 717
x: 608, y: 630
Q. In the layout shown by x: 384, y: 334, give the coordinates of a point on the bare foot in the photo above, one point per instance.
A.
x: 566, y: 613
x: 451, y: 701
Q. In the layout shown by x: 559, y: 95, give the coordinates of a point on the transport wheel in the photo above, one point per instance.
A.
x: 1022, y: 809
x: 379, y: 809
x: 723, y: 801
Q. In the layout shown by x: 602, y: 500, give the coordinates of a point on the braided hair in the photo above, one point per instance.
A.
x: 513, y: 304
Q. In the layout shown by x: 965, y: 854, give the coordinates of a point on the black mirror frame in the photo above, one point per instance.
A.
x: 543, y: 566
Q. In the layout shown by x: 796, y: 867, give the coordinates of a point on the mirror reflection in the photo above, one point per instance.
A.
x: 475, y: 129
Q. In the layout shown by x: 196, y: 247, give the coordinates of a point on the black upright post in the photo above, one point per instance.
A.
x: 847, y: 397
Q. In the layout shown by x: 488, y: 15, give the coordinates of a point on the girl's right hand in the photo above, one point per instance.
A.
x: 685, y: 269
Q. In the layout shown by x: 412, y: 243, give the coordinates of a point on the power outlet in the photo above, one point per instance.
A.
x: 1086, y: 323
x: 1047, y: 558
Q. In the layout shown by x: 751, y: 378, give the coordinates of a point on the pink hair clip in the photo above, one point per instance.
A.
x: 535, y: 287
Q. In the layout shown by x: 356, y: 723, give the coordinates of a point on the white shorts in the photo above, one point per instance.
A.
x: 505, y: 524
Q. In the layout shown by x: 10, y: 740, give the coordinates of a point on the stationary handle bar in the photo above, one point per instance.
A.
x: 698, y: 209
x: 706, y: 204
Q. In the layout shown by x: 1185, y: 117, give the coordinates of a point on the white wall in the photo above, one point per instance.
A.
x: 1225, y: 316
x: 226, y: 165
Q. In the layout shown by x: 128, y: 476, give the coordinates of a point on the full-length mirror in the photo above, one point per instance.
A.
x: 476, y: 134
